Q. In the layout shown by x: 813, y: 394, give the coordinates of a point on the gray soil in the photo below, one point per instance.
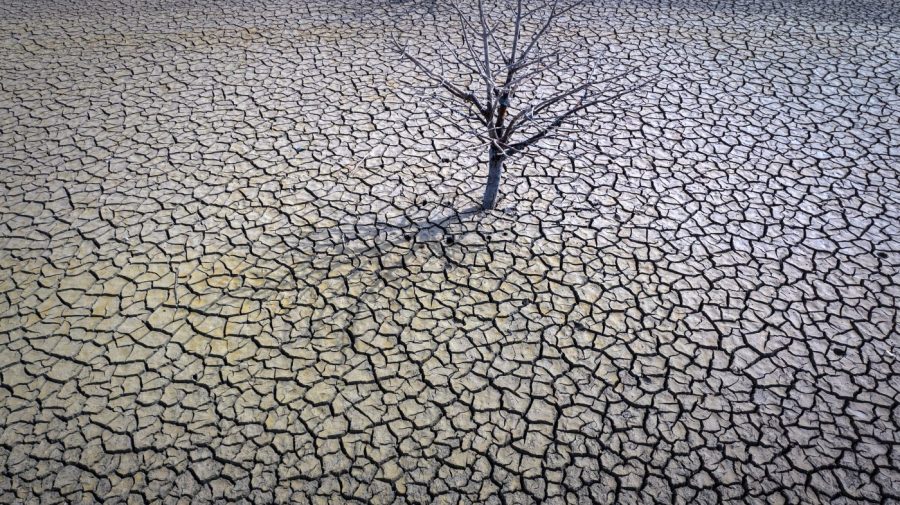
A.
x: 236, y: 266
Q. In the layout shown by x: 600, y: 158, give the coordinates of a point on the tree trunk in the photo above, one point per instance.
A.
x: 495, y: 169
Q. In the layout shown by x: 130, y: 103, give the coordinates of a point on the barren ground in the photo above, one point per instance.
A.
x: 230, y: 268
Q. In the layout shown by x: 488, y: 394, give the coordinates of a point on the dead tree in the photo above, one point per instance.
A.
x: 499, y: 50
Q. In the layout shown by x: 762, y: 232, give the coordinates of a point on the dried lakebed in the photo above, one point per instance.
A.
x: 235, y: 267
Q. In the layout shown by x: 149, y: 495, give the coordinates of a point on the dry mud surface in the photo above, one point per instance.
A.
x: 231, y: 268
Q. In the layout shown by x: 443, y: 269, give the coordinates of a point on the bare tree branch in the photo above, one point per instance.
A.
x: 559, y: 97
x: 560, y: 119
x: 444, y: 83
x: 507, y: 54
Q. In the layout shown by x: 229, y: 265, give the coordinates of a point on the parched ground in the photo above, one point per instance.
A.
x: 235, y: 267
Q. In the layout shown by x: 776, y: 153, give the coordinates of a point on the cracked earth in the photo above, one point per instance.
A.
x: 235, y: 263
